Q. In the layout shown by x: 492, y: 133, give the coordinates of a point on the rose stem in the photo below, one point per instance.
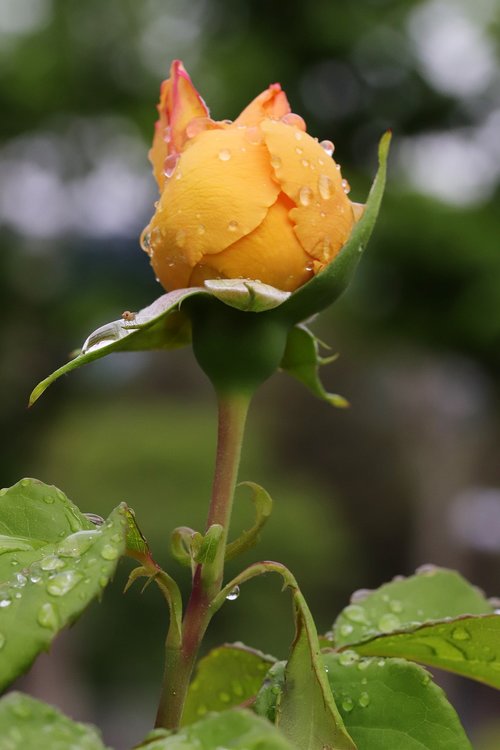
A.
x: 179, y: 663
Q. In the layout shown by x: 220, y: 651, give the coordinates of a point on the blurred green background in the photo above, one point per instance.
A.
x: 410, y: 474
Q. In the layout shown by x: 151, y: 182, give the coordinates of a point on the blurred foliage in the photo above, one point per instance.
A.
x: 78, y: 85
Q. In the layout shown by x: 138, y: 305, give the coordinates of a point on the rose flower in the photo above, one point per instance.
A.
x: 257, y: 198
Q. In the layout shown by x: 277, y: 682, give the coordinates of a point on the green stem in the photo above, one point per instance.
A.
x: 179, y: 662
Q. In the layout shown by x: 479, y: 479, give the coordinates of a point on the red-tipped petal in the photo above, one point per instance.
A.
x: 179, y: 104
x: 271, y: 103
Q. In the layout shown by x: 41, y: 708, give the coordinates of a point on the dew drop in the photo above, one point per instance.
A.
x: 77, y: 544
x: 254, y: 135
x: 25, y: 482
x: 328, y: 147
x: 346, y: 629
x: 295, y: 120
x: 49, y: 499
x: 275, y: 162
x: 364, y: 700
x: 460, y: 634
x: 299, y: 151
x: 201, y: 229
x: 347, y: 658
x: 180, y: 237
x: 325, y: 186
x: 388, y: 623
x: 63, y: 582
x: 47, y: 616
x: 109, y: 552
x: 167, y: 134
x: 224, y: 154
x: 347, y: 704
x: 305, y: 163
x: 395, y: 606
x: 298, y: 135
x: 5, y: 600
x: 2, y: 641
x: 345, y: 186
x: 233, y: 594
x: 305, y: 195
x: 232, y: 226
x: 355, y: 613
x: 51, y: 562
x: 170, y: 164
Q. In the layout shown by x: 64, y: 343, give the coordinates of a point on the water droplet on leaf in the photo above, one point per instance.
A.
x: 77, y: 544
x: 355, y: 613
x: 388, y: 623
x: 51, y: 562
x: 63, y: 582
x: 233, y: 594
x: 47, y: 616
x: 109, y: 552
x: 347, y: 704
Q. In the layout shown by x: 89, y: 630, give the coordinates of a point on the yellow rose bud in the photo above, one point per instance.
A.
x: 257, y: 198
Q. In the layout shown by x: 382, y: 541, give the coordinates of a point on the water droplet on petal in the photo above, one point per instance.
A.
x: 460, y: 634
x: 167, y: 134
x: 328, y: 147
x: 233, y: 594
x: 63, y: 582
x: 232, y: 226
x: 275, y: 162
x: 325, y: 186
x: 305, y: 195
x: 201, y: 229
x: 170, y: 164
x: 109, y: 552
x: 299, y: 151
x: 296, y: 121
x: 345, y: 187
x: 254, y: 135
x: 47, y: 616
x: 388, y: 623
x: 305, y: 163
x: 364, y: 700
x: 180, y: 237
x: 224, y: 154
x: 298, y: 135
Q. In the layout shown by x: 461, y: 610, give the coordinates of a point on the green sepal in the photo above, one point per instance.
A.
x: 29, y: 724
x: 324, y: 288
x: 183, y: 542
x: 302, y: 361
x: 163, y: 324
x: 53, y: 563
x: 263, y: 504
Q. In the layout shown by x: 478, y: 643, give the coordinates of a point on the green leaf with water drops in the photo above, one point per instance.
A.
x: 432, y: 594
x: 237, y: 729
x: 307, y: 713
x: 324, y: 288
x: 227, y: 676
x: 468, y: 646
x: 302, y: 360
x: 161, y: 325
x: 53, y: 562
x: 391, y: 704
x: 29, y: 724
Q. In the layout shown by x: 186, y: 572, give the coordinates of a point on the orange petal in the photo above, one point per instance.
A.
x: 271, y: 103
x: 323, y: 216
x: 220, y: 191
x: 179, y: 104
x: 271, y: 253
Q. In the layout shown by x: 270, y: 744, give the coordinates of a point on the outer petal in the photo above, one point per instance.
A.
x: 271, y: 103
x: 323, y: 216
x: 179, y: 104
x: 271, y: 253
x: 220, y: 191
